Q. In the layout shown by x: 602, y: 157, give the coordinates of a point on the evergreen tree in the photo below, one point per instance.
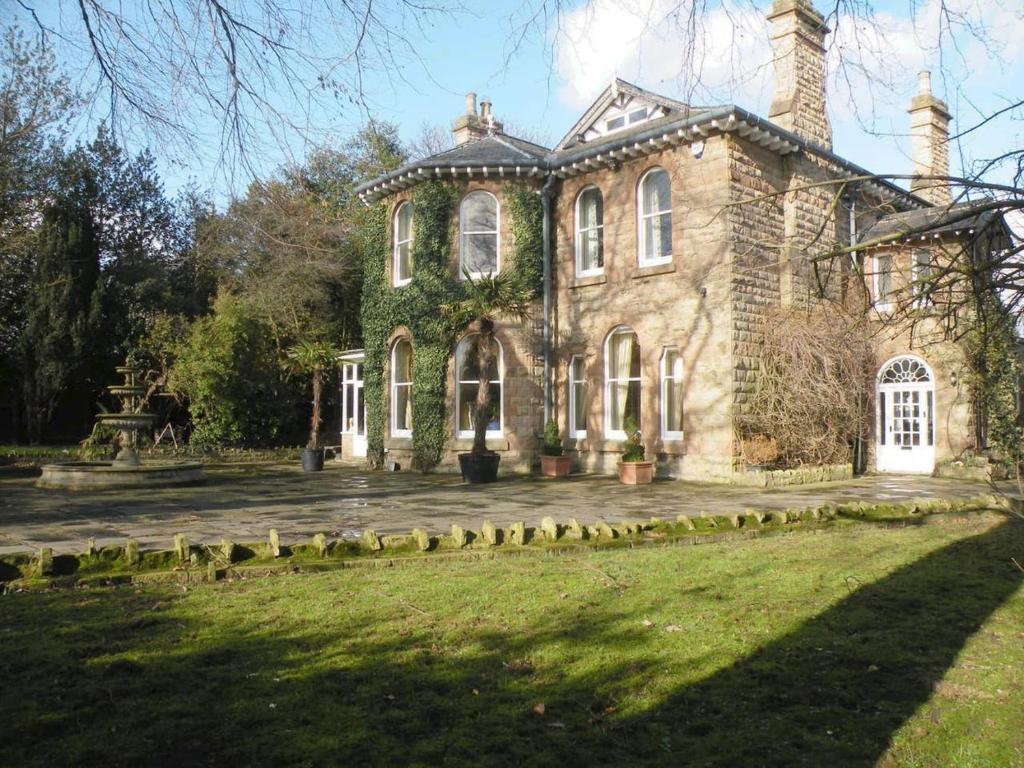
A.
x: 64, y: 312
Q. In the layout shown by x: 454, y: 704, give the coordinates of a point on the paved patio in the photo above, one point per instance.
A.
x: 242, y: 502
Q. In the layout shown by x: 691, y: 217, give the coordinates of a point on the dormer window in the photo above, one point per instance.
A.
x: 637, y: 115
x: 478, y: 235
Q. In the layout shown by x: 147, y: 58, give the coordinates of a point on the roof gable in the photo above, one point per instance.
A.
x: 620, y: 106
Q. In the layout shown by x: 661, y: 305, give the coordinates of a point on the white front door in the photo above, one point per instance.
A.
x: 906, y: 420
x: 353, y: 407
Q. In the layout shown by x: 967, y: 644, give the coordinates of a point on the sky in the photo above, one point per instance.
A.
x: 543, y: 85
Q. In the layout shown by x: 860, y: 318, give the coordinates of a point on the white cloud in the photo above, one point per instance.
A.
x: 723, y: 55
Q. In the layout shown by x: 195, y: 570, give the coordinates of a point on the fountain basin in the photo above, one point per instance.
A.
x: 98, y: 475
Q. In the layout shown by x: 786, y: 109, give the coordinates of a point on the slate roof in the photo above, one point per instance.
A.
x: 502, y: 155
x: 494, y: 150
x: 940, y: 220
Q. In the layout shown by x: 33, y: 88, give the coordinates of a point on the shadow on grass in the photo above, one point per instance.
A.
x: 122, y: 678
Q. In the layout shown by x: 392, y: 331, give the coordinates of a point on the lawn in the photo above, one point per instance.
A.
x: 851, y: 647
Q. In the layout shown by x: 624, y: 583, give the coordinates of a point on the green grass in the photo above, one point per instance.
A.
x: 854, y: 647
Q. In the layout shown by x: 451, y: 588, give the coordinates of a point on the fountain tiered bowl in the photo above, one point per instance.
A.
x: 125, y: 471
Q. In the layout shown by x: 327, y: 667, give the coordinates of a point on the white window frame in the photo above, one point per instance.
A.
x: 496, y: 232
x: 574, y: 431
x: 921, y: 298
x: 882, y: 304
x: 460, y: 352
x: 580, y: 272
x: 397, y: 244
x: 666, y: 377
x: 395, y: 431
x: 609, y: 433
x: 641, y: 218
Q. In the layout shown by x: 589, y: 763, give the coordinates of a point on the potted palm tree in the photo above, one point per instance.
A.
x: 315, y: 359
x: 552, y: 461
x: 484, y: 300
x: 633, y: 469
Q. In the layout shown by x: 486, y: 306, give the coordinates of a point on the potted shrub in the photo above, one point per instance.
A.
x: 759, y: 452
x: 633, y: 469
x: 552, y: 461
x: 484, y: 299
x: 315, y: 359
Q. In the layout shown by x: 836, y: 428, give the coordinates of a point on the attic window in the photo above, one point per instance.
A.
x: 637, y: 115
x: 615, y: 123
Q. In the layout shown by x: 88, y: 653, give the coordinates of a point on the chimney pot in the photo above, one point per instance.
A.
x: 485, y: 110
x: 471, y: 103
x: 924, y: 79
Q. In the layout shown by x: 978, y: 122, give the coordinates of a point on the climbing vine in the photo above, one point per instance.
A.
x: 995, y: 373
x: 415, y: 307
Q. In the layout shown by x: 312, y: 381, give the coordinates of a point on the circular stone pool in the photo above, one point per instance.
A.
x: 96, y: 475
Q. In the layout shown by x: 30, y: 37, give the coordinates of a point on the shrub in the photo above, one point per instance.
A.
x: 633, y: 448
x: 814, y: 392
x: 229, y: 369
x: 552, y: 439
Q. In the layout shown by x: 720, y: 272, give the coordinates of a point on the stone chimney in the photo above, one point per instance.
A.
x: 472, y: 126
x: 929, y: 143
x: 798, y: 51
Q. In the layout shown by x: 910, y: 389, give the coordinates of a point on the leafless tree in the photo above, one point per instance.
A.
x: 265, y: 70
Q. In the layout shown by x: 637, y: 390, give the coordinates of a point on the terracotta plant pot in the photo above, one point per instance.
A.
x: 636, y: 472
x: 481, y: 468
x: 555, y: 466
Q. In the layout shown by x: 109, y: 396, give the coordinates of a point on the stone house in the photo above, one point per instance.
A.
x: 669, y: 230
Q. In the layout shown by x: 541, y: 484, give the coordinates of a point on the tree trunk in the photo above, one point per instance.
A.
x: 484, y: 349
x: 314, y: 425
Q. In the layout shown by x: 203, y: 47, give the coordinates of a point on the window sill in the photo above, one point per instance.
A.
x: 499, y: 444
x: 587, y: 280
x: 654, y: 269
x: 402, y: 283
x: 398, y: 444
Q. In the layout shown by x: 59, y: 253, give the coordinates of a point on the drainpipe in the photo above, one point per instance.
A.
x: 545, y: 194
x: 859, y: 446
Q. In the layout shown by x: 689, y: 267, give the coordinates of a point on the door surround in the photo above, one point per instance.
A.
x: 905, y: 416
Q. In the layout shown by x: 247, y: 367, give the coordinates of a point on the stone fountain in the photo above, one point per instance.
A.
x: 125, y: 471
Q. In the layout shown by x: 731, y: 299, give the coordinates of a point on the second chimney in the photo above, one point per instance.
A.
x: 929, y: 144
x: 472, y: 126
x: 798, y: 52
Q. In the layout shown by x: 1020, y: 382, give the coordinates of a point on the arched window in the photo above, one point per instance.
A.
x: 654, y: 204
x: 671, y: 394
x: 621, y: 381
x: 589, y: 232
x: 401, y: 389
x: 478, y: 235
x: 469, y: 383
x: 401, y: 269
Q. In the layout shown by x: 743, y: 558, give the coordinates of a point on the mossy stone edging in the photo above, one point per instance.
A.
x: 414, y: 307
x: 110, y: 566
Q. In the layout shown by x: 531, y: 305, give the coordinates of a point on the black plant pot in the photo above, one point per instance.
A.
x: 479, y: 468
x: 312, y: 460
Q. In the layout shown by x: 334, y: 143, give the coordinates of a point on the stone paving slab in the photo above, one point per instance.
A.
x: 242, y: 502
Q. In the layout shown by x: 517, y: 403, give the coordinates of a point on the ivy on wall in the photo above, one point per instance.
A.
x: 415, y: 307
x: 995, y: 373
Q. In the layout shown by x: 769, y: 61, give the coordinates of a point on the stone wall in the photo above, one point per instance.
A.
x: 777, y: 478
x: 684, y: 304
